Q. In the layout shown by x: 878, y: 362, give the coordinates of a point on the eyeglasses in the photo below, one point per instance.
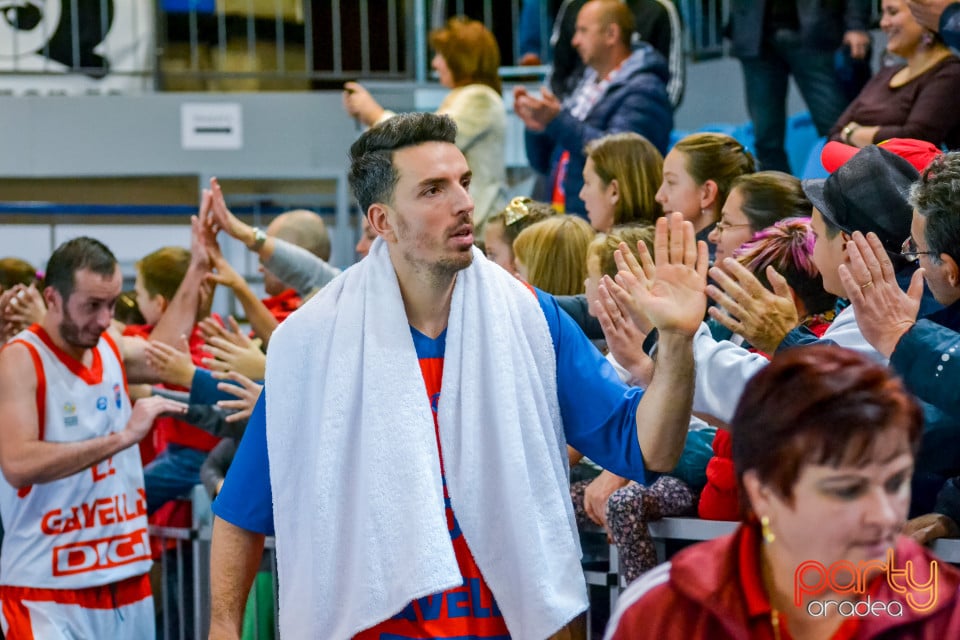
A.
x: 909, y: 250
x: 517, y: 210
x: 722, y: 226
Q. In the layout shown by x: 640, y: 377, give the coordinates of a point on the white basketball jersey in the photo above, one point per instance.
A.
x: 90, y: 528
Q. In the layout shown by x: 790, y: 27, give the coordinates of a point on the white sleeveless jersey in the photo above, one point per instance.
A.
x: 90, y: 528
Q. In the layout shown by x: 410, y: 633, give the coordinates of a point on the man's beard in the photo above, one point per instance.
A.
x: 72, y: 334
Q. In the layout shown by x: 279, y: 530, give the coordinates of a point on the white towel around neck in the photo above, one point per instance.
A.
x: 358, y: 496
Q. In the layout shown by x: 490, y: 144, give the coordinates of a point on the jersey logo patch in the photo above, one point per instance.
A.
x: 102, y: 403
x: 117, y: 397
x: 105, y: 553
x: 70, y: 414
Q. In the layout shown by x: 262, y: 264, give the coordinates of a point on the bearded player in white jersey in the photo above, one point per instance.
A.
x: 75, y: 556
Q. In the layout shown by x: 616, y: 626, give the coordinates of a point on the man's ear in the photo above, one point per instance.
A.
x: 51, y: 297
x: 164, y: 303
x: 378, y: 215
x: 951, y: 270
x: 612, y: 31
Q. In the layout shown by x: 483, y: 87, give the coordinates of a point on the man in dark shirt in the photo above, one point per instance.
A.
x: 777, y: 38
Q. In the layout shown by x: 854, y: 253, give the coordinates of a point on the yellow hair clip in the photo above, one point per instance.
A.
x: 517, y: 210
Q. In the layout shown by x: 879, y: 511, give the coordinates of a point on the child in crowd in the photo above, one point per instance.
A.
x: 697, y: 175
x: 552, y: 254
x: 620, y: 181
x: 503, y: 228
x: 606, y: 499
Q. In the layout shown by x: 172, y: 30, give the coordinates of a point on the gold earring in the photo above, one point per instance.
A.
x: 768, y: 536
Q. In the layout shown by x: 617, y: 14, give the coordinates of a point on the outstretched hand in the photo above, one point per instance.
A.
x: 673, y: 299
x: 219, y: 216
x: 146, y: 410
x: 762, y: 317
x: 224, y: 274
x: 173, y: 365
x: 236, y: 352
x: 246, y: 390
x: 884, y: 312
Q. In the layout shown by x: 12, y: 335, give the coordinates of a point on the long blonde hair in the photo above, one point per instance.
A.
x: 554, y: 252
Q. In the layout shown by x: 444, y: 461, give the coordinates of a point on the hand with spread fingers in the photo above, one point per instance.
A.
x: 624, y: 338
x: 210, y: 328
x: 173, y: 364
x: 246, y: 390
x: 146, y: 410
x: 762, y: 317
x: 245, y: 358
x: 884, y: 312
x: 673, y: 299
x: 219, y: 216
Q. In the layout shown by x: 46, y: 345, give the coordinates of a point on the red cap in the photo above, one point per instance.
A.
x: 919, y: 153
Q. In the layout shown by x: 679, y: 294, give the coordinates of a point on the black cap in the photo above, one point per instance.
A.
x: 868, y: 193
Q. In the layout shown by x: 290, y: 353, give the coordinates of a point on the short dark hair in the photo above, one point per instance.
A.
x: 76, y: 255
x: 372, y: 174
x: 820, y: 404
x: 936, y: 197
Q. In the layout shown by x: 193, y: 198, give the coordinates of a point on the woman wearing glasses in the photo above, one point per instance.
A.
x: 755, y: 202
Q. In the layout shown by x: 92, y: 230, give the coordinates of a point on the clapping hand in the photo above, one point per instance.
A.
x: 884, y: 311
x: 762, y: 317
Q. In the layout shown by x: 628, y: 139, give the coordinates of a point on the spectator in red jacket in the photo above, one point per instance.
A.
x: 824, y: 443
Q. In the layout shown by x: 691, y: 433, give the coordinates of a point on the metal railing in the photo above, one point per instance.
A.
x: 127, y: 45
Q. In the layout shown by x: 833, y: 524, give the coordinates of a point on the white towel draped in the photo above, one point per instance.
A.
x: 358, y: 495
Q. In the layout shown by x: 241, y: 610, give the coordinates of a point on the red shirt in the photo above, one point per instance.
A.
x: 283, y: 304
x: 170, y: 430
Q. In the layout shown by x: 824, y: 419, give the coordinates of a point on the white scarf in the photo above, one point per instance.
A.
x: 358, y: 498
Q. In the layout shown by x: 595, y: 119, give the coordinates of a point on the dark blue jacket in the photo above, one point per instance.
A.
x: 950, y: 26
x: 636, y: 101
x: 928, y: 359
